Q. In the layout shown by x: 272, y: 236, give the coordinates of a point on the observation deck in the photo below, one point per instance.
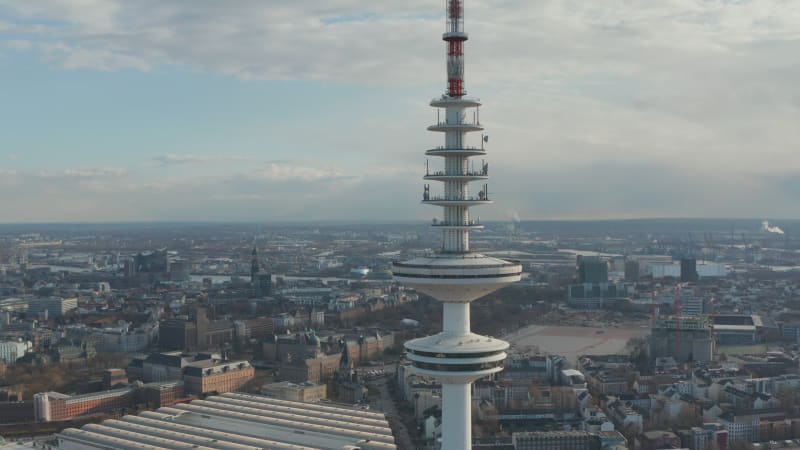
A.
x: 462, y: 151
x: 460, y: 358
x: 467, y: 176
x: 471, y: 225
x: 455, y: 36
x: 456, y: 126
x: 459, y: 102
x: 458, y: 277
x: 454, y: 201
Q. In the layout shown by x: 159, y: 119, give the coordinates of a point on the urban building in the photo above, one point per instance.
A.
x: 592, y: 270
x: 164, y: 393
x: 177, y: 334
x: 201, y: 373
x: 567, y: 440
x: 11, y: 351
x: 257, y: 328
x: 657, y: 439
x: 683, y: 338
x: 741, y: 427
x: 114, y: 377
x: 316, y: 368
x: 598, y: 295
x: 124, y: 341
x: 737, y: 329
x: 197, y: 333
x: 53, y: 406
x: 261, y: 282
x: 631, y: 270
x: 211, y: 376
x: 297, y: 392
x: 689, y: 270
x: 155, y: 262
x: 160, y: 366
x: 73, y: 352
x: 51, y: 307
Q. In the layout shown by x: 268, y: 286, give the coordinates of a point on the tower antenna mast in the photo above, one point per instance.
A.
x: 456, y: 275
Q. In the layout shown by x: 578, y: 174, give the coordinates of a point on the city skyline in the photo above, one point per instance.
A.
x: 154, y: 112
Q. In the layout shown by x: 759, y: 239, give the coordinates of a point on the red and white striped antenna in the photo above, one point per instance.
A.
x: 455, y: 37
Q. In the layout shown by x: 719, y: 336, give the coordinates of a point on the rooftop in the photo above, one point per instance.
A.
x: 241, y: 421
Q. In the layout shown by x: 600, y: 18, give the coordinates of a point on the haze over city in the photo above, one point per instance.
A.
x: 216, y: 230
x: 315, y: 110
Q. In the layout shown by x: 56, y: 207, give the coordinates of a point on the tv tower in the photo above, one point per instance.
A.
x: 455, y: 275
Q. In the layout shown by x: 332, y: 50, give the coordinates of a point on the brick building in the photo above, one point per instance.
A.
x: 361, y: 347
x: 53, y: 406
x: 114, y: 377
x: 319, y: 368
x: 201, y: 373
x: 209, y: 376
x: 160, y: 394
x: 196, y: 333
x: 257, y: 328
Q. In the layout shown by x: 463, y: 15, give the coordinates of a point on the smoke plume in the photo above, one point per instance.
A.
x: 766, y: 227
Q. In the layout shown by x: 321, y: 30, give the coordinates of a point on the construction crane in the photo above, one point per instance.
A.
x: 713, y: 304
x: 653, y: 306
x: 678, y: 315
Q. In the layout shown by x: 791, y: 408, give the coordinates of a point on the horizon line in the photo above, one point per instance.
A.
x: 378, y: 222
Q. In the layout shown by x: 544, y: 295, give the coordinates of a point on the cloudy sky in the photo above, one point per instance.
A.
x: 118, y: 110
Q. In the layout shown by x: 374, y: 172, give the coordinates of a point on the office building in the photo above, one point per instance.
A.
x: 297, y: 392
x: 689, y: 270
x: 51, y: 307
x: 11, y: 351
x: 568, y: 440
x: 198, y: 333
x: 592, y: 269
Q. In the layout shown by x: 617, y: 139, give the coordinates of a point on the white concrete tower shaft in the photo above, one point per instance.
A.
x: 456, y: 275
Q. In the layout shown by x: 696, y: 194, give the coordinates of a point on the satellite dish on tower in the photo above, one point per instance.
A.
x: 485, y: 138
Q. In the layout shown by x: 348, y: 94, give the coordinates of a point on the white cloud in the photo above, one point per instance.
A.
x: 174, y: 158
x: 85, y: 173
x: 290, y: 172
x: 74, y: 57
x: 18, y: 44
x: 701, y: 96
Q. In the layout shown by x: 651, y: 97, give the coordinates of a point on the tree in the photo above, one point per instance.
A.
x: 788, y: 398
x: 638, y: 350
x: 688, y: 417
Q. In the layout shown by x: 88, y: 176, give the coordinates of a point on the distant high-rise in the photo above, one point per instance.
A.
x: 456, y: 275
x: 592, y: 269
x: 689, y: 269
x: 261, y: 282
x: 254, y: 268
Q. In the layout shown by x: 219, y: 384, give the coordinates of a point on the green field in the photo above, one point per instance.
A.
x: 741, y: 349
